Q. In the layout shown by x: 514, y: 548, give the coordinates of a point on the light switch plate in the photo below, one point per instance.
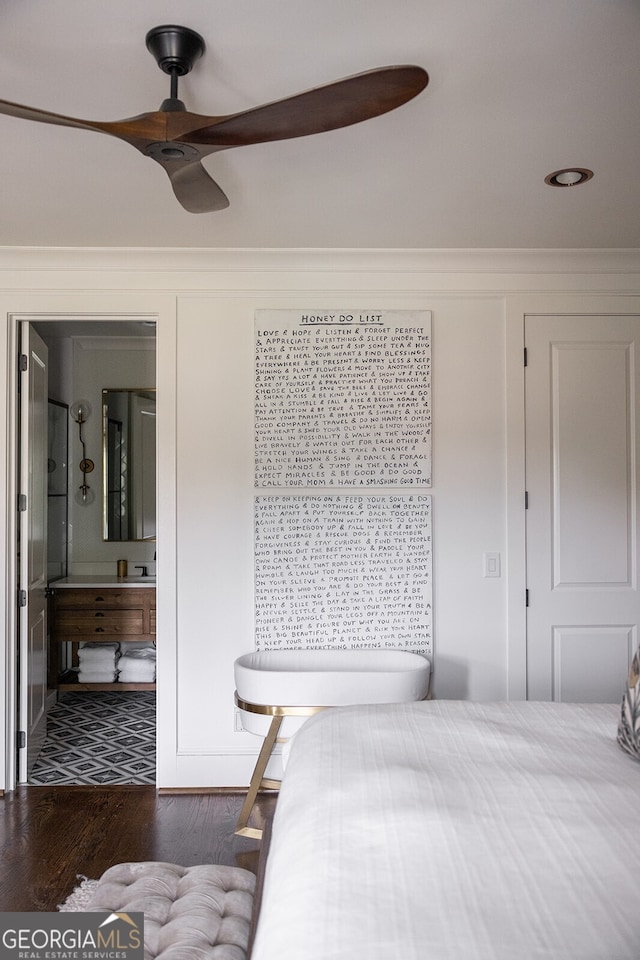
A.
x: 491, y: 564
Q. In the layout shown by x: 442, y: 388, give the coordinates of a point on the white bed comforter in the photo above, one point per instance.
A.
x: 455, y: 831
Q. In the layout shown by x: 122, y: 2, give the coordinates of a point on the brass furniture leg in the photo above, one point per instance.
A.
x: 258, y: 781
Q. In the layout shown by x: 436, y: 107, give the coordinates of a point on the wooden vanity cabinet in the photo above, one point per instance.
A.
x: 103, y: 615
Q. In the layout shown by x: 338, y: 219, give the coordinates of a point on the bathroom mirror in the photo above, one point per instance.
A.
x: 129, y: 464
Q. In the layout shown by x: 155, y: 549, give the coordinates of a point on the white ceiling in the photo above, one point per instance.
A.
x: 518, y: 88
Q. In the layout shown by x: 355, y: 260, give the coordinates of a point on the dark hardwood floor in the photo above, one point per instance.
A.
x: 49, y: 835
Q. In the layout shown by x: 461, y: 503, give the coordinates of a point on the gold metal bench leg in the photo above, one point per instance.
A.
x: 257, y: 781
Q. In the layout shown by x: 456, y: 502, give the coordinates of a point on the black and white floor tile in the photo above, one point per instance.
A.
x: 99, y: 738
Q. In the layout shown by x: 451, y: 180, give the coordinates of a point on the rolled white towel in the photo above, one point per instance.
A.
x: 97, y: 654
x: 88, y: 645
x: 138, y: 651
x: 98, y: 663
x: 95, y: 675
x: 137, y: 674
x: 132, y: 668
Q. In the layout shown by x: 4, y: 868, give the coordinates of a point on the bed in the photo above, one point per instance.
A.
x: 445, y: 830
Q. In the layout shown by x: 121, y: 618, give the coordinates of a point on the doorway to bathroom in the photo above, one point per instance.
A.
x: 86, y: 551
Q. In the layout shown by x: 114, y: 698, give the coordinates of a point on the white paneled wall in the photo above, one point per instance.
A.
x: 205, y: 303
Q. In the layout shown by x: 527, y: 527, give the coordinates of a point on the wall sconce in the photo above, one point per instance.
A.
x: 80, y: 411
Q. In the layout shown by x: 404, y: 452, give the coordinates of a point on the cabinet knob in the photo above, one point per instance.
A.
x: 99, y: 630
x: 99, y: 613
x: 100, y: 598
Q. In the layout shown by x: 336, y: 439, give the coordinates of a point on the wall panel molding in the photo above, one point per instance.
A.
x: 474, y: 270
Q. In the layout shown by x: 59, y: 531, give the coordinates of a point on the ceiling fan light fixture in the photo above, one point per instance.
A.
x: 172, y: 150
x: 569, y: 177
x: 173, y: 153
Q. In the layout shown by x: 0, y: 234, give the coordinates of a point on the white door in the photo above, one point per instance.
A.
x: 582, y: 383
x: 33, y: 549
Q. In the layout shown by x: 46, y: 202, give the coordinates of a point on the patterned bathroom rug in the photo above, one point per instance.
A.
x: 99, y: 738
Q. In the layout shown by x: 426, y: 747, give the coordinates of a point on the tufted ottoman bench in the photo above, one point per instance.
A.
x: 190, y: 913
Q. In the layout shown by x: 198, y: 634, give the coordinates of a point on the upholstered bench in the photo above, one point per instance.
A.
x: 202, y: 911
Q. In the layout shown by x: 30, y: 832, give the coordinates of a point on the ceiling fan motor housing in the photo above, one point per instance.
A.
x: 175, y: 48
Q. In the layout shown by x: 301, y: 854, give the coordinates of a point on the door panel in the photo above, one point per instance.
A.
x: 591, y: 443
x: 588, y: 662
x: 33, y: 550
x: 582, y: 438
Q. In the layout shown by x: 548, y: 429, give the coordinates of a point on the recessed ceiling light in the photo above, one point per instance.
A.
x: 569, y: 177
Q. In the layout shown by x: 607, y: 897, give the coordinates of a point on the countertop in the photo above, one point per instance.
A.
x: 102, y: 581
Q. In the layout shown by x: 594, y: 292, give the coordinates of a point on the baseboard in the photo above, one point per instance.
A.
x: 168, y: 791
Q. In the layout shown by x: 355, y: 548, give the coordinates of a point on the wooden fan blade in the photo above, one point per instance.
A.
x: 192, y: 185
x: 44, y: 116
x: 138, y: 131
x: 329, y: 107
x: 195, y: 189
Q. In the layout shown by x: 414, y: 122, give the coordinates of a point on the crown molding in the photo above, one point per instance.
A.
x: 214, y: 260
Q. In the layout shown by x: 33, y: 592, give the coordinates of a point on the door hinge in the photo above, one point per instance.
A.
x: 526, y: 499
x: 22, y: 739
x: 22, y: 502
x: 23, y: 363
x: 524, y: 357
x: 22, y: 598
x: 526, y: 597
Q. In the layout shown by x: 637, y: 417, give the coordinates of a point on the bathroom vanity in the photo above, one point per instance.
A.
x: 100, y: 610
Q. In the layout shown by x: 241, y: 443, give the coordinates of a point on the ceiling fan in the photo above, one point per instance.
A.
x: 178, y: 140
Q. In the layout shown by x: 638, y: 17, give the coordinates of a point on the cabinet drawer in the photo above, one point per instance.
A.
x: 72, y: 623
x: 97, y: 599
